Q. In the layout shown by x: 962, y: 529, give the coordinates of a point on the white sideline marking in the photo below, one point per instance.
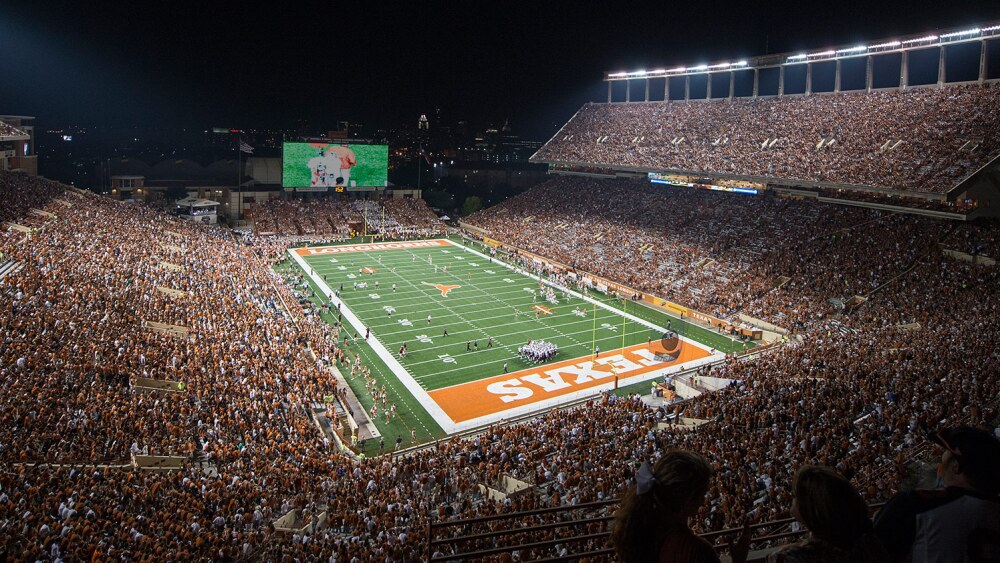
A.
x: 435, y: 410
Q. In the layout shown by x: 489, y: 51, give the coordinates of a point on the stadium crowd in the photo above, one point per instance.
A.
x: 8, y: 130
x: 75, y: 337
x: 779, y: 259
x: 21, y: 193
x: 333, y: 218
x: 922, y: 139
x: 320, y: 217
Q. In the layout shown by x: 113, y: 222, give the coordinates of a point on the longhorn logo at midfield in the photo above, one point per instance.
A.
x: 444, y: 289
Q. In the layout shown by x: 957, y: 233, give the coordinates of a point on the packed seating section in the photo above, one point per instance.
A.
x: 8, y: 130
x: 853, y: 391
x: 332, y: 217
x: 920, y: 139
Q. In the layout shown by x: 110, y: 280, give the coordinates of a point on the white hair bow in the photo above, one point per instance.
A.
x: 644, y: 479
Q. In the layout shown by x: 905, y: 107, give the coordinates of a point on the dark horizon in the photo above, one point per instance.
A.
x: 251, y: 66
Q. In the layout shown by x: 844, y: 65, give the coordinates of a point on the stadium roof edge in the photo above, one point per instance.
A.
x: 937, y: 38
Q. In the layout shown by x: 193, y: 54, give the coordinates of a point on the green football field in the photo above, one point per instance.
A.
x: 412, y: 294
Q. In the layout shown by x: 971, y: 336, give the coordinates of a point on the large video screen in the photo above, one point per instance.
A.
x: 330, y: 165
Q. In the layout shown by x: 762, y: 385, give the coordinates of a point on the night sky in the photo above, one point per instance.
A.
x: 383, y: 64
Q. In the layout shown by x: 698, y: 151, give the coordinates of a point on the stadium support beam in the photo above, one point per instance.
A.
x: 708, y: 87
x: 756, y: 81
x: 982, y: 61
x: 732, y: 84
x: 836, y: 77
x: 687, y: 87
x: 781, y: 80
x: 666, y: 89
x: 942, y: 65
x: 647, y: 90
x: 628, y: 91
x: 940, y: 39
x: 609, y: 91
x: 869, y: 61
x: 809, y: 78
x: 904, y: 70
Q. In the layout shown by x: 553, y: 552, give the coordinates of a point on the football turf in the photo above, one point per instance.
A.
x: 478, y: 302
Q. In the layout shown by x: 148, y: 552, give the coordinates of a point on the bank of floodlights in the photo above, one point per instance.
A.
x: 929, y: 40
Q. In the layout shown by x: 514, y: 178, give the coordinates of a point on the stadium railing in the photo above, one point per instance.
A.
x: 510, y: 537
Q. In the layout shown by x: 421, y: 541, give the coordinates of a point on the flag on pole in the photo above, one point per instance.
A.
x: 244, y: 147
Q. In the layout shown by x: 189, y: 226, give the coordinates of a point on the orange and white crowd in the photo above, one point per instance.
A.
x: 73, y: 340
x: 332, y: 218
x: 724, y: 254
x: 922, y: 139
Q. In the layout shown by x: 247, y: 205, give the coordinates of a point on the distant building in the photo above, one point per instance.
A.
x: 198, y: 210
x: 133, y: 179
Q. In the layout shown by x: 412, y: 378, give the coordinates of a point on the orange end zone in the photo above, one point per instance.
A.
x: 493, y: 395
x: 373, y: 247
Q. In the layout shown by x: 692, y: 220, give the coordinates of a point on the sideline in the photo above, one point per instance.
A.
x: 435, y: 410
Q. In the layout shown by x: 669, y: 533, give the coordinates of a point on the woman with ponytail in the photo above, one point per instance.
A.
x: 651, y: 524
x: 837, y: 520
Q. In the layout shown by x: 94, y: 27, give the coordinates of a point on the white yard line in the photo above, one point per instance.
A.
x: 436, y: 412
x: 400, y: 303
x: 491, y: 362
x: 440, y: 303
x: 322, y: 297
x: 496, y: 338
x: 441, y: 320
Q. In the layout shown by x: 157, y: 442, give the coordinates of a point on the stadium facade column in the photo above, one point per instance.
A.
x: 708, y: 88
x: 732, y: 84
x: 942, y: 65
x: 666, y: 89
x: 836, y: 77
x: 868, y: 74
x: 647, y: 90
x: 628, y: 90
x: 781, y: 80
x: 904, y: 69
x: 756, y: 81
x: 809, y: 78
x: 983, y: 54
x: 687, y: 87
x: 609, y: 91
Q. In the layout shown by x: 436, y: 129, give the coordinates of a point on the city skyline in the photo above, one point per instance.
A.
x: 384, y: 65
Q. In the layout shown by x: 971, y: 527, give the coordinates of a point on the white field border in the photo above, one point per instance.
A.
x: 437, y: 413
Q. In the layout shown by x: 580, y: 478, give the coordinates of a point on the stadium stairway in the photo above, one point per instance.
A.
x: 837, y: 302
x: 9, y: 267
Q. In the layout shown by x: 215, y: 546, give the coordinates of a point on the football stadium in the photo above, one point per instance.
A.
x: 749, y: 314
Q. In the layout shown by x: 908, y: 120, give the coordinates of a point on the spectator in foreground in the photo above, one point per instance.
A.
x: 651, y: 524
x: 837, y: 520
x: 958, y: 523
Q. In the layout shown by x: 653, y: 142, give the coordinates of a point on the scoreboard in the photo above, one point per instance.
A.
x: 333, y: 166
